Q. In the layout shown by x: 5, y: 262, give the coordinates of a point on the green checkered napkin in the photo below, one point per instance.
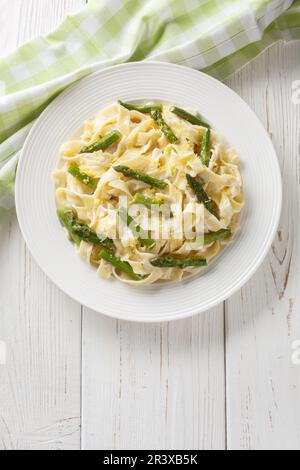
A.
x: 215, y: 36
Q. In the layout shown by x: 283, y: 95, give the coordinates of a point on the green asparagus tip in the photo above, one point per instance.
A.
x: 146, y: 109
x: 103, y: 143
x: 165, y: 128
x: 205, y: 148
x: 66, y: 217
x: 120, y: 265
x: 195, y: 120
x: 82, y: 177
x: 79, y: 231
x: 128, y: 172
x: 151, y: 204
x: 202, y: 197
x: 212, y: 237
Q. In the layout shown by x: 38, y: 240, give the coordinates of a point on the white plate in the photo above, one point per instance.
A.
x: 229, y: 115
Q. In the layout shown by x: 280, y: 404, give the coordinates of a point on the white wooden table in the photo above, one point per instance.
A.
x: 225, y: 379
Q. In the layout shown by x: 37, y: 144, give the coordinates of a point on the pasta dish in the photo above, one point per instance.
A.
x: 148, y: 192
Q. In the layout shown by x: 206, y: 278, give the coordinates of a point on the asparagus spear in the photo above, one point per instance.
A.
x: 82, y: 177
x: 205, y: 148
x: 79, y: 231
x: 202, y: 197
x: 137, y: 229
x: 126, y: 171
x: 158, y: 118
x: 171, y: 262
x: 195, y: 120
x: 66, y: 218
x: 152, y: 204
x: 141, y: 109
x: 119, y: 264
x: 103, y: 143
x: 215, y: 236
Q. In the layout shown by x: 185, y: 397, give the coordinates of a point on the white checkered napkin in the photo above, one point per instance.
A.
x: 210, y: 35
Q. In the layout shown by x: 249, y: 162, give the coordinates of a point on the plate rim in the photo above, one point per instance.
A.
x: 196, y: 310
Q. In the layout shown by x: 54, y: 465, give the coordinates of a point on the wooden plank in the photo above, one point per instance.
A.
x: 41, y: 327
x: 153, y: 386
x: 263, y: 385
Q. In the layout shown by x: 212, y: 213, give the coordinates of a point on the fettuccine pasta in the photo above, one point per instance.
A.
x: 148, y: 193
